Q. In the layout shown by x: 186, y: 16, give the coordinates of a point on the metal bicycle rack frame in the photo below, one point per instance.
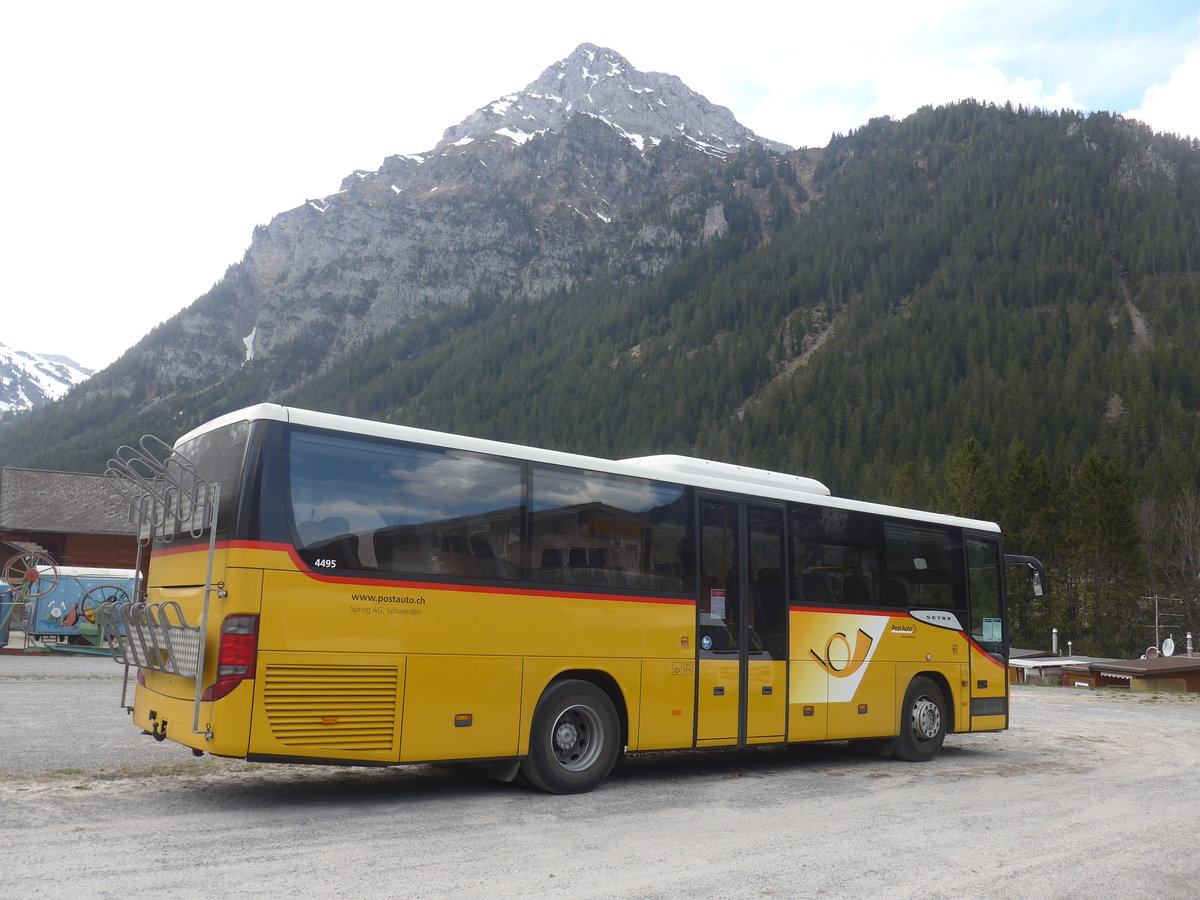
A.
x: 168, y: 498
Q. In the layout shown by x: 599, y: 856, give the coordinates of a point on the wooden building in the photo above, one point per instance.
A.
x: 76, y: 519
x: 1161, y: 673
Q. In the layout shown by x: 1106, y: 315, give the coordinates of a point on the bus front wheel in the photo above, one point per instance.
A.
x: 574, y: 740
x: 922, y: 722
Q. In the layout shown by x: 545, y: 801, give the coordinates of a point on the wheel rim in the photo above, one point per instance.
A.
x: 926, y: 719
x: 577, y: 738
x: 99, y: 595
x: 31, y: 574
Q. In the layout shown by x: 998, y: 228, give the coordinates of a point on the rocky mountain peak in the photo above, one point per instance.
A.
x: 593, y: 173
x: 647, y: 107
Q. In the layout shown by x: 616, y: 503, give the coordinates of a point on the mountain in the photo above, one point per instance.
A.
x: 606, y: 262
x: 29, y: 380
x: 595, y: 173
x: 582, y: 175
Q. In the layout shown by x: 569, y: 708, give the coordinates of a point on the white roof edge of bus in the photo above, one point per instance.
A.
x: 691, y: 465
x: 247, y: 414
x: 701, y: 477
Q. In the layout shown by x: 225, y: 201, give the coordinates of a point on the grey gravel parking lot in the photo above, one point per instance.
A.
x: 1089, y: 793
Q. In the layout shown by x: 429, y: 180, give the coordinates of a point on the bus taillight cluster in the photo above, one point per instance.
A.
x: 236, y: 655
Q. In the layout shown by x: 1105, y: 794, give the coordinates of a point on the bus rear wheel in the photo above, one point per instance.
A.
x: 923, y: 721
x: 574, y: 740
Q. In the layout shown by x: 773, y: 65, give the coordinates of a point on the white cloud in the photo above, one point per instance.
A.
x: 1174, y: 105
x: 915, y: 82
x: 892, y: 83
x: 809, y: 124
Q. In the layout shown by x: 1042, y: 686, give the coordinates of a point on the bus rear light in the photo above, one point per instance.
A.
x: 235, y: 655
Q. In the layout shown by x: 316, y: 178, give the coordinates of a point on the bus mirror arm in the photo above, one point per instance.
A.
x: 1037, y: 574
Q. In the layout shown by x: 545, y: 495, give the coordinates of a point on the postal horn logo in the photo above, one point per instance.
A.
x: 840, y: 660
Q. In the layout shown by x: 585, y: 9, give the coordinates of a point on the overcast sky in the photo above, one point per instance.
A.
x: 143, y: 141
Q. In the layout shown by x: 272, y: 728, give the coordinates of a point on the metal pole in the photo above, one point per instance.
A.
x: 208, y: 592
x: 1159, y: 615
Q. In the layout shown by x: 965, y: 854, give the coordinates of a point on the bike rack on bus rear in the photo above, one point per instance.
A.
x: 168, y: 497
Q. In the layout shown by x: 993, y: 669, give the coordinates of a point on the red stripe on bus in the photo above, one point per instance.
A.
x: 986, y: 655
x: 842, y: 610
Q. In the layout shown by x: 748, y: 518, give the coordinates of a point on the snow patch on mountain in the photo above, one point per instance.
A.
x: 28, y: 380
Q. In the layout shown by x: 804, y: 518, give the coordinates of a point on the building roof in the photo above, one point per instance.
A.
x: 1160, y: 665
x: 72, y: 502
x: 1018, y: 653
x: 1046, y: 662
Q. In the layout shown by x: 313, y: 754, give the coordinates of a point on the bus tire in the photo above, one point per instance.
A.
x: 574, y: 739
x: 922, y: 721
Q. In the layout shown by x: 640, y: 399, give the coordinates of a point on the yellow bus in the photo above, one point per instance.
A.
x: 324, y: 589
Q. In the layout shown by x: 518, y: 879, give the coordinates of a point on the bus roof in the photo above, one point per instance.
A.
x: 701, y: 473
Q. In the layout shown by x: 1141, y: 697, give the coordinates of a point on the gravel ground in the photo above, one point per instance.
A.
x: 1090, y: 793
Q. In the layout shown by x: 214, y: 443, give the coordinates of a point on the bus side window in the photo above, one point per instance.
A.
x: 400, y: 550
x: 834, y: 556
x: 928, y: 559
x: 858, y: 590
x: 310, y: 532
x: 331, y: 538
x: 404, y: 508
x: 472, y: 556
x: 898, y: 593
x: 610, y: 531
x: 815, y: 589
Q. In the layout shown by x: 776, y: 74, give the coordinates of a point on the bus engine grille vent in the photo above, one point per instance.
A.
x: 334, y: 707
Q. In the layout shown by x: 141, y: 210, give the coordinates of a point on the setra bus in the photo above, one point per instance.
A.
x: 323, y: 589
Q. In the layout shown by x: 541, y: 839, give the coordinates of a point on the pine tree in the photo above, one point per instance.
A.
x: 970, y: 484
x: 911, y: 487
x: 1027, y: 509
x: 1103, y: 564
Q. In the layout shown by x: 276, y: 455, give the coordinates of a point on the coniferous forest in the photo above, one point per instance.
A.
x: 989, y: 311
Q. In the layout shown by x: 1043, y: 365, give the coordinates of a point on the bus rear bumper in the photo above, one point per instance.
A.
x: 174, y: 719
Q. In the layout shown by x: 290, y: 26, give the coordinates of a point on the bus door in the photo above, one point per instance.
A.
x: 989, y: 677
x: 741, y: 646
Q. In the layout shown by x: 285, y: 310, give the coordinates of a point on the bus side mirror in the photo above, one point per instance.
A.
x: 1037, y: 572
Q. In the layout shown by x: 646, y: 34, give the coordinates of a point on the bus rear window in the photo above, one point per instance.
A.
x: 218, y: 457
